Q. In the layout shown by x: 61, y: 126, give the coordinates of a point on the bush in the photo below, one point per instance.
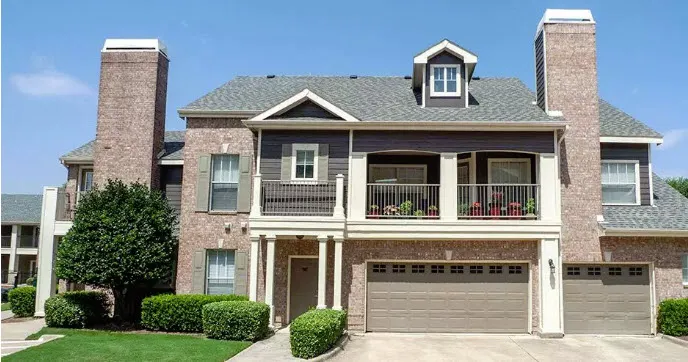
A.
x: 23, y: 301
x: 31, y: 281
x: 673, y: 317
x: 76, y: 309
x: 179, y: 313
x: 316, y: 331
x: 5, y: 291
x: 237, y: 321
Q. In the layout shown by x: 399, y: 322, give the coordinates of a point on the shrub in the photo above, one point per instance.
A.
x: 76, y: 309
x: 179, y: 313
x: 673, y: 317
x: 316, y: 331
x: 23, y: 301
x: 238, y: 321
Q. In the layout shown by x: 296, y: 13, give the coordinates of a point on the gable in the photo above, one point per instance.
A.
x: 307, y: 109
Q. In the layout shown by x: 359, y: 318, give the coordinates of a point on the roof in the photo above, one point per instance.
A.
x: 21, y: 209
x: 669, y: 213
x: 174, y: 149
x: 616, y: 123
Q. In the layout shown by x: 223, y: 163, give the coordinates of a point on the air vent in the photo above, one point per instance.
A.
x: 353, y: 76
x: 270, y: 76
x: 407, y: 77
x: 476, y: 78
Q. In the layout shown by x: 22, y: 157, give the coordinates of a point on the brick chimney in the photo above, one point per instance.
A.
x: 131, y: 110
x: 566, y: 82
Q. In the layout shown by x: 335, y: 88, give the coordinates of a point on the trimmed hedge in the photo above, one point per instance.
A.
x: 316, y: 331
x: 179, y: 313
x: 237, y: 321
x: 77, y: 309
x: 673, y: 317
x: 23, y: 301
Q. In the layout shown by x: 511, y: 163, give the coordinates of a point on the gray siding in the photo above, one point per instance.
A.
x: 540, y: 69
x: 171, y: 186
x: 271, y: 150
x: 307, y: 109
x: 629, y: 151
x: 376, y: 141
x: 454, y: 102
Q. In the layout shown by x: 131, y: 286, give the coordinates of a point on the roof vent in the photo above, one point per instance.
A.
x: 270, y: 76
x: 407, y: 77
x: 354, y: 76
x: 475, y: 78
x: 134, y: 45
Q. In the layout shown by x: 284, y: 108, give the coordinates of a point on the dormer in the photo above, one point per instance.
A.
x: 442, y: 74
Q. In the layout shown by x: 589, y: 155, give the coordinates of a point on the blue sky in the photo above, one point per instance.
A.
x: 50, y: 58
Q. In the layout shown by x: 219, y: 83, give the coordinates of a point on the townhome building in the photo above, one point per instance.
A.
x: 435, y: 202
x: 21, y: 217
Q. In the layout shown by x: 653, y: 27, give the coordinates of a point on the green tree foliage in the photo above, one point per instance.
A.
x: 680, y: 184
x: 122, y: 239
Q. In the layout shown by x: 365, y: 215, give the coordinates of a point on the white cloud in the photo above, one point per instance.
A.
x: 673, y: 137
x: 49, y: 83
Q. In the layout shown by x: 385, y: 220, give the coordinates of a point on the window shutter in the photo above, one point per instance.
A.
x: 244, y: 198
x: 323, y: 162
x: 203, y: 183
x: 198, y: 278
x: 286, y: 162
x: 241, y: 273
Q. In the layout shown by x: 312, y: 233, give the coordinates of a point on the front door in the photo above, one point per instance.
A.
x: 303, y: 293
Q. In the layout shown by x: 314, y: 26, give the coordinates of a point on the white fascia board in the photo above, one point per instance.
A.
x: 646, y: 232
x: 299, y: 98
x: 423, y: 57
x: 655, y: 140
x: 185, y: 113
x: 393, y: 125
x: 170, y: 162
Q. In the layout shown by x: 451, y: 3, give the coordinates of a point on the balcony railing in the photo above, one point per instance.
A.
x: 7, y: 241
x: 66, y: 205
x: 295, y: 198
x: 28, y: 241
x: 498, y: 201
x: 402, y: 201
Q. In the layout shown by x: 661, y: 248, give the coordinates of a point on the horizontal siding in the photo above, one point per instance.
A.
x: 307, y: 109
x: 376, y: 141
x: 629, y: 151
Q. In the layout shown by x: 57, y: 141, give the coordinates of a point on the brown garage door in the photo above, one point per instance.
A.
x: 422, y: 297
x: 607, y: 299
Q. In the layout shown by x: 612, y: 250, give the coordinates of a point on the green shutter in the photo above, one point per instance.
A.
x: 198, y: 278
x: 323, y: 161
x: 241, y: 273
x: 286, y: 162
x: 203, y: 183
x: 244, y: 198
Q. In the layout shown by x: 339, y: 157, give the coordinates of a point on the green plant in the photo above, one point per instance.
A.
x: 463, y: 209
x: 77, y: 309
x: 406, y: 207
x: 316, y: 331
x: 390, y: 210
x: 122, y: 239
x: 23, y: 301
x: 530, y: 206
x: 419, y: 213
x: 374, y: 207
x: 179, y: 313
x: 31, y: 281
x: 680, y: 184
x: 237, y: 321
x: 672, y: 318
x: 432, y: 208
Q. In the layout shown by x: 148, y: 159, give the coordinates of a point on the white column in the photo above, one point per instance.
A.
x: 13, y: 262
x: 270, y: 278
x: 357, y: 184
x: 548, y: 201
x: 256, y: 207
x: 255, y: 258
x: 47, y: 248
x: 550, y: 288
x: 322, y: 271
x: 448, y: 193
x: 339, y: 197
x: 337, y: 303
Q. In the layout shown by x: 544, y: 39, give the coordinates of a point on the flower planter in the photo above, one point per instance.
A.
x: 433, y: 214
x: 373, y: 215
x: 496, y: 210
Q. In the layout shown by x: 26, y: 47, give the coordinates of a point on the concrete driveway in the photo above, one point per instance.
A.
x: 431, y: 347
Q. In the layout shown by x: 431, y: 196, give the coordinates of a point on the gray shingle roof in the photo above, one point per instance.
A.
x: 174, y: 149
x: 616, y: 123
x: 670, y: 211
x: 21, y: 208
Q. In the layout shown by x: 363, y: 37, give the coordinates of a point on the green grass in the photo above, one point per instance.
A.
x: 89, y: 345
x: 6, y: 306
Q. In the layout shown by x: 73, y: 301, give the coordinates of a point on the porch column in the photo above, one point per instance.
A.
x: 337, y: 303
x: 550, y: 288
x: 448, y: 194
x: 13, y: 263
x: 322, y: 271
x: 358, y: 177
x: 47, y: 248
x: 270, y: 278
x: 548, y: 201
x: 339, y: 196
x: 255, y: 258
x: 256, y: 207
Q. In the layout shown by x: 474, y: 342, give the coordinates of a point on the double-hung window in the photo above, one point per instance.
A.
x: 509, y: 171
x: 684, y: 266
x: 86, y: 180
x: 620, y: 183
x: 399, y: 174
x: 220, y: 272
x: 444, y: 80
x: 305, y: 162
x: 224, y: 184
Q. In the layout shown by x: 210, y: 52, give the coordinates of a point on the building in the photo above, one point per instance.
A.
x: 21, y: 218
x: 436, y: 202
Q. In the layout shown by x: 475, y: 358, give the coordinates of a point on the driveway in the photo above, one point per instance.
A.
x: 423, y: 347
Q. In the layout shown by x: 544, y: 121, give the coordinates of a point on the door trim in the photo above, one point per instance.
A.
x: 530, y: 280
x: 289, y: 281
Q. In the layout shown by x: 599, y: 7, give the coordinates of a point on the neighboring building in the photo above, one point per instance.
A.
x: 21, y: 218
x: 437, y: 202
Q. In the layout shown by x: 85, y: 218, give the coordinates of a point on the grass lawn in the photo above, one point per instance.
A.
x: 6, y: 306
x: 89, y: 345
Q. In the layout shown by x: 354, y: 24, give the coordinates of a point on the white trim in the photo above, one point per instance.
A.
x: 259, y: 151
x: 295, y: 147
x: 385, y: 165
x: 637, y: 181
x: 465, y: 81
x: 134, y: 45
x: 195, y: 113
x: 568, y: 16
x: 646, y: 232
x: 348, y: 181
x: 171, y: 162
x: 490, y: 161
x: 299, y: 98
x: 655, y: 140
x: 649, y: 169
x: 445, y: 45
x: 289, y: 258
x: 404, y: 125
x: 422, y: 89
x: 457, y: 79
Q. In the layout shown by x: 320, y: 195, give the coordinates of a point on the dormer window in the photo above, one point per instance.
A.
x: 444, y: 79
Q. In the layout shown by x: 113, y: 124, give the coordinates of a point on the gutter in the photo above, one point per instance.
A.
x: 405, y: 125
x: 646, y: 232
x: 216, y: 114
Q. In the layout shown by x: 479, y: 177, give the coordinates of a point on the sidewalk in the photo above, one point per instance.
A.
x: 7, y: 314
x: 273, y: 349
x: 15, y: 333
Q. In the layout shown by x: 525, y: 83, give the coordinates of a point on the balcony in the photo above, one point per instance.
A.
x: 7, y: 241
x: 295, y: 198
x: 403, y: 201
x: 498, y: 201
x: 66, y: 205
x: 28, y: 241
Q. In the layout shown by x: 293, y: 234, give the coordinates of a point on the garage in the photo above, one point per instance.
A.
x: 607, y: 299
x: 447, y: 298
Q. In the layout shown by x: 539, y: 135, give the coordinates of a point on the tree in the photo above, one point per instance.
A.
x: 680, y: 184
x: 122, y: 239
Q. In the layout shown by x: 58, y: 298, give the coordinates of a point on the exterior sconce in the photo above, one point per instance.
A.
x: 228, y: 227
x: 551, y: 266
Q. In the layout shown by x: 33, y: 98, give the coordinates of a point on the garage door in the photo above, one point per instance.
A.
x: 607, y: 299
x: 423, y: 297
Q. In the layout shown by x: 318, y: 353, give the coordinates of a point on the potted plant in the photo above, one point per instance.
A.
x: 433, y: 211
x: 463, y: 210
x: 514, y: 209
x: 530, y: 208
x: 496, y: 204
x: 406, y: 207
x: 390, y: 210
x: 476, y: 209
x: 419, y: 214
x: 374, y: 212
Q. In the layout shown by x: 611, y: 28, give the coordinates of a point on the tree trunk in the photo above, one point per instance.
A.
x: 127, y: 304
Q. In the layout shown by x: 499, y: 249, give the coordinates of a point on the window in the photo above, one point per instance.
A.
x: 614, y: 271
x: 594, y: 271
x: 304, y: 162
x: 456, y: 269
x: 684, y: 263
x: 620, y: 181
x: 398, y: 268
x: 515, y: 269
x: 416, y: 268
x: 573, y: 270
x: 444, y: 80
x: 462, y: 173
x: 437, y: 269
x: 224, y: 182
x: 399, y: 174
x: 509, y: 171
x: 495, y: 269
x: 638, y: 271
x: 476, y: 269
x: 220, y: 272
x: 379, y: 268
x: 86, y: 180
